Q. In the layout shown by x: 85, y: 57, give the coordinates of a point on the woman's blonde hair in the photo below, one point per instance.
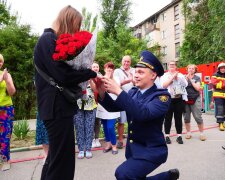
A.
x: 68, y: 21
x: 196, y: 68
x: 1, y: 58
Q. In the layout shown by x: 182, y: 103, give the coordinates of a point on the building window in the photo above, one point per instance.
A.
x: 163, y: 50
x: 177, y: 49
x: 177, y: 31
x: 163, y: 16
x: 176, y: 12
x: 163, y: 34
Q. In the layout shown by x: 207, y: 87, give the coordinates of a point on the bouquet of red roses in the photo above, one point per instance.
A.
x: 77, y: 50
x: 69, y: 46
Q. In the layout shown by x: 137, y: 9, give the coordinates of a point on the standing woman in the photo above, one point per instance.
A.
x: 84, y: 121
x: 176, y: 84
x: 193, y: 105
x: 56, y: 112
x: 7, y: 89
x: 97, y: 127
x: 108, y: 118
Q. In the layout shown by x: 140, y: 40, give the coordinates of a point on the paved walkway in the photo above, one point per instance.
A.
x: 196, y: 160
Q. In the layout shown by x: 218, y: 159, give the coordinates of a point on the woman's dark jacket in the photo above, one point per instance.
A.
x: 49, y: 98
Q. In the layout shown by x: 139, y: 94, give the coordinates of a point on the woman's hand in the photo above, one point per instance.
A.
x: 5, y: 75
x: 175, y: 75
x: 1, y: 77
x: 99, y: 86
x: 9, y: 82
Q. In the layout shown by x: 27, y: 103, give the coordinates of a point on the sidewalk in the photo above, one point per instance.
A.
x: 197, y: 160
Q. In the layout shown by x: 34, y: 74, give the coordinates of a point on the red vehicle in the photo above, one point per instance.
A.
x: 205, y: 71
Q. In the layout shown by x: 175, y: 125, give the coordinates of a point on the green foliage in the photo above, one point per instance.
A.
x: 109, y: 49
x: 204, y: 33
x: 88, y: 24
x: 21, y: 129
x: 16, y: 45
x: 113, y: 14
x: 4, y: 13
x: 156, y: 51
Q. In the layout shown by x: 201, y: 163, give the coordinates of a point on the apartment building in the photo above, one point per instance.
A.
x: 164, y: 28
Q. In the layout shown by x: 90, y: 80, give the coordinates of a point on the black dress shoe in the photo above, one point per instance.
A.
x: 179, y: 140
x: 107, y: 150
x: 174, y: 174
x: 223, y: 147
x: 168, y: 141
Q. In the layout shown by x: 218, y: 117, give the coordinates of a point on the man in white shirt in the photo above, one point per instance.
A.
x: 124, y: 76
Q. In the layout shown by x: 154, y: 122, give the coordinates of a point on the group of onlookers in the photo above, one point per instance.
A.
x: 124, y: 77
x: 185, y: 100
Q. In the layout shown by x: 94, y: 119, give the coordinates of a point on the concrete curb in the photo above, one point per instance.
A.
x: 37, y: 147
x: 26, y: 148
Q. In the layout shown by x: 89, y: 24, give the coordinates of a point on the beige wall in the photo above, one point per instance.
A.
x: 166, y: 25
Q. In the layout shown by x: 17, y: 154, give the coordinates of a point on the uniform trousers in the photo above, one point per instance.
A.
x: 138, y: 169
x: 60, y: 162
x: 220, y: 109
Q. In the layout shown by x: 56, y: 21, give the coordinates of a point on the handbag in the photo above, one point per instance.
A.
x: 190, y: 101
x: 70, y: 94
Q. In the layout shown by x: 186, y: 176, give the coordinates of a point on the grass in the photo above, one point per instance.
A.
x: 29, y: 140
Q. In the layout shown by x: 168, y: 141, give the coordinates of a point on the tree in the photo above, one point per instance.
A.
x: 110, y: 50
x: 204, y: 32
x: 87, y: 24
x: 16, y: 45
x: 113, y: 14
x: 4, y: 13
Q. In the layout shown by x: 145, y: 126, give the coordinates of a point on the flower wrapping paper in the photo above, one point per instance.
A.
x: 85, y: 59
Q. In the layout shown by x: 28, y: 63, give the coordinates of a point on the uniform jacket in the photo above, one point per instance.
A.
x: 48, y: 97
x: 145, y: 119
x: 218, y: 81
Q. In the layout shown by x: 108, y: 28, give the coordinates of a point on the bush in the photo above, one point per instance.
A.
x: 101, y: 134
x: 21, y: 128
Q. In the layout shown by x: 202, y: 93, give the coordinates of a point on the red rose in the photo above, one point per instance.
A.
x: 56, y: 57
x: 71, y: 51
x: 69, y: 46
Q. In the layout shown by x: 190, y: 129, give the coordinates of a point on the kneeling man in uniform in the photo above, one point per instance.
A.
x: 145, y: 106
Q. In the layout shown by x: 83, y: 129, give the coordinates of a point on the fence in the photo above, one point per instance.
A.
x: 206, y: 95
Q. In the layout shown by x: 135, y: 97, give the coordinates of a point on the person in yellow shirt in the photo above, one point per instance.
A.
x: 7, y: 89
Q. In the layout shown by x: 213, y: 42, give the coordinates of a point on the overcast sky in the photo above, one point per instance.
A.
x: 41, y: 13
